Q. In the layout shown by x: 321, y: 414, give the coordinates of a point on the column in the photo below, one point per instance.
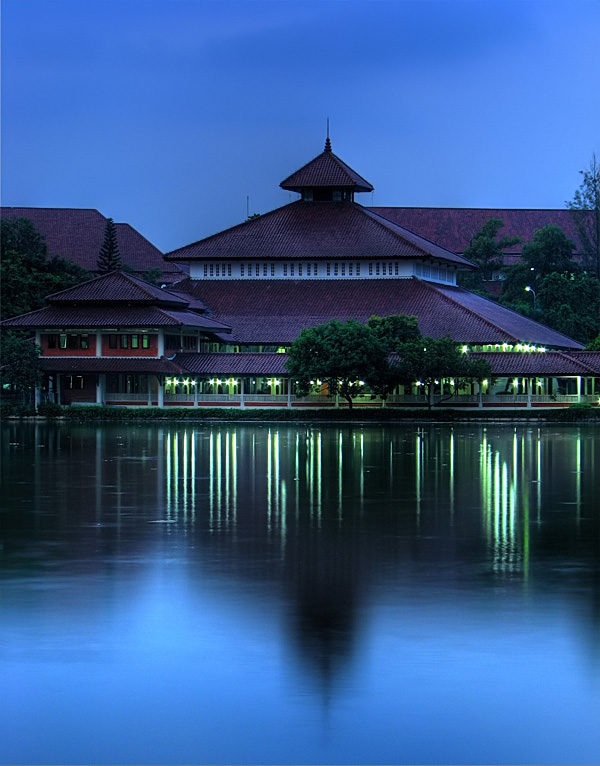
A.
x: 100, y: 388
x: 149, y: 390
x: 161, y: 391
x: 242, y: 402
x: 289, y: 392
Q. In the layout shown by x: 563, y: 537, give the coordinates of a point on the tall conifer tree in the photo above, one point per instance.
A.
x: 109, y: 258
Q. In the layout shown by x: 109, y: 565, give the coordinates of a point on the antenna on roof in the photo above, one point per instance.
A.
x: 327, y: 140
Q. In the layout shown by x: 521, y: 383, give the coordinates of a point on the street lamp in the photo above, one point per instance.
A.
x: 530, y: 289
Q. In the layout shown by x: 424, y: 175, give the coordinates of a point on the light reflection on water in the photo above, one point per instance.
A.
x: 273, y: 594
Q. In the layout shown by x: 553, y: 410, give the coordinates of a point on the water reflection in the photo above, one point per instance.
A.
x: 417, y: 530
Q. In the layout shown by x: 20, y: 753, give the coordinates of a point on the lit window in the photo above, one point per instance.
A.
x: 84, y: 342
x: 135, y: 341
x: 124, y: 342
x: 145, y: 341
x: 63, y: 340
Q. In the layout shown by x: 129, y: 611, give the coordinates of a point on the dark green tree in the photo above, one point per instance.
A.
x: 571, y: 304
x: 594, y: 345
x: 487, y: 252
x: 345, y: 356
x: 27, y: 275
x: 109, y: 258
x: 427, y: 361
x: 394, y: 329
x: 20, y: 369
x: 585, y: 208
x: 549, y: 252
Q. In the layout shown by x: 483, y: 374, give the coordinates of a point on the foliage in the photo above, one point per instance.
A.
x: 26, y: 274
x: 594, y: 345
x: 344, y: 355
x: 20, y: 369
x: 109, y: 258
x: 487, y: 252
x: 571, y: 304
x: 549, y: 252
x: 428, y: 360
x: 585, y: 200
x: 394, y: 329
x: 49, y: 409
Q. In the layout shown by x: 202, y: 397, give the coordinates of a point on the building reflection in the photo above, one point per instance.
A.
x: 325, y: 514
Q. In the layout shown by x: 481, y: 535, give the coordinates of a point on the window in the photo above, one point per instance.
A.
x: 328, y: 269
x: 377, y: 269
x: 384, y: 269
x: 135, y: 341
x: 272, y: 269
x: 124, y: 341
x: 292, y: 269
x: 145, y: 341
x: 265, y: 270
x: 285, y: 269
x: 299, y: 269
x: 84, y: 342
x: 350, y: 269
x: 358, y: 269
x: 396, y: 269
x: 205, y: 270
x: 343, y: 269
x: 73, y: 341
x: 211, y: 269
x: 335, y: 270
x: 228, y: 269
x: 257, y: 270
x: 242, y: 270
x: 370, y: 269
x: 112, y: 341
x: 52, y: 341
x: 63, y: 340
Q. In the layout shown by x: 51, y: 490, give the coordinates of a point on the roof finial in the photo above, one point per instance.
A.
x: 327, y: 141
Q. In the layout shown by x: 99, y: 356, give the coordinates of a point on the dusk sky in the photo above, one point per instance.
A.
x: 169, y: 114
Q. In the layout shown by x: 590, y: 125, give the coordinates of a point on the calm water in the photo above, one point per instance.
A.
x: 255, y: 594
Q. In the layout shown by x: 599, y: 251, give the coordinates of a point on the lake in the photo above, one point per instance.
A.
x: 299, y: 594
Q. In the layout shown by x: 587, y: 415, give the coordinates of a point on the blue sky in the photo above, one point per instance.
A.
x: 169, y: 114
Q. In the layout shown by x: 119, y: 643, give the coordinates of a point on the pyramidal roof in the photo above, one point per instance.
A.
x: 117, y: 286
x: 326, y: 170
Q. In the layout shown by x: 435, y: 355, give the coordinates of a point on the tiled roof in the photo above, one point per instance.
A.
x: 78, y: 233
x: 233, y: 364
x: 275, y: 311
x: 591, y: 359
x: 315, y: 230
x: 58, y: 316
x: 454, y: 228
x: 117, y: 287
x: 131, y: 365
x: 534, y: 363
x: 326, y: 170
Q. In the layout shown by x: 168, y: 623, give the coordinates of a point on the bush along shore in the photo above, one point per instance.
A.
x: 95, y: 413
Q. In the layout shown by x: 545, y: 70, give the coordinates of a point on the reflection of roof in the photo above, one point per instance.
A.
x: 275, y: 311
x: 326, y: 170
x: 77, y: 234
x: 536, y: 363
x: 140, y: 365
x: 264, y: 363
x: 319, y: 231
x: 454, y: 228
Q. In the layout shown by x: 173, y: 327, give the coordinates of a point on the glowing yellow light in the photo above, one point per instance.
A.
x: 519, y: 347
x: 193, y: 382
x: 484, y: 382
x: 464, y: 349
x: 212, y: 381
x: 516, y: 382
x: 541, y: 348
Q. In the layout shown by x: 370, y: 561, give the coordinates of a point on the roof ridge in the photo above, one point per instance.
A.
x: 391, y: 225
x: 254, y: 220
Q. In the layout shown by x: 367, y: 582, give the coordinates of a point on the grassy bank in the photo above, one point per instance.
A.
x: 574, y: 413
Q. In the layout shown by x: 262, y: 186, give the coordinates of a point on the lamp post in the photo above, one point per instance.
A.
x: 530, y: 289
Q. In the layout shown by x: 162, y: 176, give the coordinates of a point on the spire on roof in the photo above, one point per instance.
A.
x: 327, y: 140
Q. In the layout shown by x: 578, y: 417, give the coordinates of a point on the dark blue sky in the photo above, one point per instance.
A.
x: 168, y: 114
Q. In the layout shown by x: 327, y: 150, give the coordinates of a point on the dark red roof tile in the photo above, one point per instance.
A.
x: 315, y: 231
x: 78, y: 233
x: 233, y: 364
x: 131, y: 365
x: 326, y: 170
x: 275, y: 311
x: 534, y: 363
x: 117, y: 287
x: 454, y: 228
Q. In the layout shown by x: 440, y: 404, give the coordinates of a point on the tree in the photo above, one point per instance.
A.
x: 428, y: 360
x: 344, y: 355
x: 593, y: 345
x: 394, y: 329
x: 26, y: 273
x: 550, y: 251
x: 585, y: 208
x: 571, y: 304
x: 20, y: 369
x: 109, y: 258
x: 487, y: 252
